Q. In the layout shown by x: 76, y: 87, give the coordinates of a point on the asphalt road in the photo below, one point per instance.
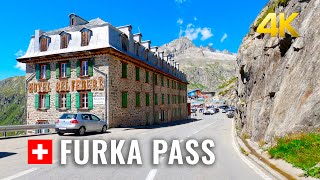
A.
x: 228, y: 164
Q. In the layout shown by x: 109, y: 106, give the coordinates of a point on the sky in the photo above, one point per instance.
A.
x: 219, y: 24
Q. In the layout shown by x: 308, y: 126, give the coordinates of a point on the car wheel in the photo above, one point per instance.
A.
x: 82, y: 131
x: 60, y: 133
x: 104, y: 129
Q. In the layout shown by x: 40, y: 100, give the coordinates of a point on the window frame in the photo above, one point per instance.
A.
x: 60, y: 100
x: 60, y: 70
x: 81, y: 95
x: 44, y: 43
x: 124, y: 66
x: 124, y: 104
x: 64, y: 40
x: 81, y: 67
x: 124, y: 42
x: 85, y: 37
x: 43, y: 76
x: 138, y: 99
x: 42, y: 105
x: 137, y: 69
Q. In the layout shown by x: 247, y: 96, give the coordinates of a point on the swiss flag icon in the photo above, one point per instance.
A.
x: 39, y: 151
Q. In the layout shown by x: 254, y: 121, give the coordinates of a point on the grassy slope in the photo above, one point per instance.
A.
x: 12, y: 100
x: 302, y: 150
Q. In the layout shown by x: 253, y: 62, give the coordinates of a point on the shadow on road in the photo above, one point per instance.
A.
x: 162, y: 125
x: 6, y: 154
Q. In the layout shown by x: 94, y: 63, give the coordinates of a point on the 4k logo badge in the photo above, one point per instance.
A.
x: 39, y: 151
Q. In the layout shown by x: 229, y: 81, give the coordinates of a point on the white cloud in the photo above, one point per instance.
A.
x: 195, y: 18
x: 225, y: 36
x: 206, y: 33
x: 180, y: 21
x: 210, y: 44
x: 192, y: 33
x: 19, y: 53
x: 180, y: 1
x: 20, y: 66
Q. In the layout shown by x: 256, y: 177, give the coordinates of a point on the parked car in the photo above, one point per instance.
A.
x: 209, y: 112
x: 230, y: 114
x: 224, y: 110
x: 216, y: 110
x: 193, y: 110
x: 80, y: 123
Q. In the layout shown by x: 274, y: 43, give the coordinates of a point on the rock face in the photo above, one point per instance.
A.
x: 205, y: 67
x: 12, y: 101
x: 279, y: 78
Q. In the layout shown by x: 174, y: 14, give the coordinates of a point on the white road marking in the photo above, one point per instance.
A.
x: 20, y: 174
x: 152, y: 174
x: 250, y: 164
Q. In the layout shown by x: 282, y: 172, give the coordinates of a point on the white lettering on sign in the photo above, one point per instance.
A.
x: 99, y: 100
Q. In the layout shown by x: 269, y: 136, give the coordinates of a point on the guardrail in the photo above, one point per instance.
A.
x: 16, y: 128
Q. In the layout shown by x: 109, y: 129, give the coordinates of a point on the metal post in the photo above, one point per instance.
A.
x: 4, y: 134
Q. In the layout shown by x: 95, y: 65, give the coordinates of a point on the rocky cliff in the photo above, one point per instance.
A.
x: 12, y: 100
x: 279, y: 78
x: 206, y: 68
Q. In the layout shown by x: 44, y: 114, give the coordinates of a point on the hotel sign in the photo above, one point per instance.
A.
x: 66, y: 86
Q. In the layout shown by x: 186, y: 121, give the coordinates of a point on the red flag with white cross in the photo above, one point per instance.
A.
x: 40, y: 151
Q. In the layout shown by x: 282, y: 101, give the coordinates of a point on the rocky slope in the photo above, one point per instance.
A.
x: 205, y: 67
x: 279, y: 78
x: 12, y: 100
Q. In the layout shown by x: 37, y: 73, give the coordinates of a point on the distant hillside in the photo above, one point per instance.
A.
x: 12, y: 100
x: 206, y: 68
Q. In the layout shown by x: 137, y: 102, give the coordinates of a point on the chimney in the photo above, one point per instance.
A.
x: 76, y: 20
x: 146, y: 44
x: 137, y: 37
x: 37, y: 35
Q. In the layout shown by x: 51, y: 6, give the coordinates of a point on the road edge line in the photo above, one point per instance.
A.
x: 22, y: 173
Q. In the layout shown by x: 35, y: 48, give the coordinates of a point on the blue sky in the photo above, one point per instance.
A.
x: 221, y: 24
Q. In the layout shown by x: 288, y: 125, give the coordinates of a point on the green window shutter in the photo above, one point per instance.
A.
x: 68, y: 101
x: 78, y: 69
x: 147, y: 76
x: 147, y: 99
x: 137, y: 99
x: 57, y: 70
x: 90, y: 100
x: 168, y: 98
x: 90, y: 66
x: 162, y: 98
x: 68, y: 69
x: 47, y: 101
x: 155, y: 79
x: 36, y: 101
x: 137, y: 74
x: 162, y: 81
x: 124, y: 99
x: 37, y: 67
x: 57, y: 101
x: 77, y: 100
x: 48, y: 71
x: 124, y: 70
x: 155, y: 99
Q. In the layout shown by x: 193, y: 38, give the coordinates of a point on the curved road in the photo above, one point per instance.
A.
x: 228, y: 164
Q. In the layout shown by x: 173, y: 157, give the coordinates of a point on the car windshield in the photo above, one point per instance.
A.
x: 68, y: 116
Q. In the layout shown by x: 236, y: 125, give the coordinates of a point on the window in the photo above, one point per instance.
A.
x: 137, y: 74
x: 155, y: 99
x: 124, y: 70
x: 168, y: 83
x: 147, y: 99
x: 63, y: 70
x: 85, y: 37
x: 64, y: 40
x: 124, y: 99
x: 42, y: 99
x: 63, y: 101
x: 136, y: 48
x: 137, y: 99
x: 168, y: 98
x: 147, y: 54
x: 94, y: 118
x: 44, y: 43
x: 155, y: 79
x: 162, y: 99
x: 84, y: 68
x: 162, y: 81
x: 147, y: 76
x: 84, y: 100
x: 43, y: 71
x: 72, y: 21
x: 124, y: 42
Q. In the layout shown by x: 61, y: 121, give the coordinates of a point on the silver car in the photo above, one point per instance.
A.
x: 80, y: 123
